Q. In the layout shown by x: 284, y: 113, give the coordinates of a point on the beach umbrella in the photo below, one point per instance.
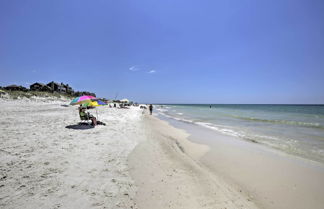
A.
x: 82, y: 99
x: 94, y: 103
x: 124, y: 101
x: 100, y: 102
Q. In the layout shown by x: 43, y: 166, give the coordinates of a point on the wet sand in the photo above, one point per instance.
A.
x: 168, y: 173
x: 272, y: 179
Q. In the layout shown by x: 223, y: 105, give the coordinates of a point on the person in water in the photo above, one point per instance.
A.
x: 151, y: 109
x: 87, y: 115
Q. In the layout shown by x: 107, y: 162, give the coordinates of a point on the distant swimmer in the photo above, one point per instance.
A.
x: 209, y: 106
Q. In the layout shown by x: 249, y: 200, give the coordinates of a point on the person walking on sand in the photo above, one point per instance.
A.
x: 151, y: 109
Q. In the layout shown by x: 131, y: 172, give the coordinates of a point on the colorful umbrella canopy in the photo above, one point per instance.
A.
x: 94, y: 103
x: 101, y: 102
x: 82, y: 99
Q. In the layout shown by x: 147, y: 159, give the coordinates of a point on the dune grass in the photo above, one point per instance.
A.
x: 31, y: 94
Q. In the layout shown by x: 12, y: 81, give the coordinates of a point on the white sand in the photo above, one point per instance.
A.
x: 47, y: 161
x: 43, y: 164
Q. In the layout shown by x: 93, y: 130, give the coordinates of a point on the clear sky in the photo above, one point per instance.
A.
x: 168, y: 51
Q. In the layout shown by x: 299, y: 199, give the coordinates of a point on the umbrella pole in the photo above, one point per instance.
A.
x: 97, y: 114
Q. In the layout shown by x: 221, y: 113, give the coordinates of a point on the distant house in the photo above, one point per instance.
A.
x: 15, y: 88
x: 80, y: 93
x: 56, y: 87
x: 45, y: 88
x: 68, y: 89
x: 37, y: 86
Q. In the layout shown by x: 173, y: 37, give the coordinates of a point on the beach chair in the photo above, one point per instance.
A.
x: 85, y: 119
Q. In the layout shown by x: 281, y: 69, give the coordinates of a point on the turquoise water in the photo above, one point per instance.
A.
x: 295, y: 129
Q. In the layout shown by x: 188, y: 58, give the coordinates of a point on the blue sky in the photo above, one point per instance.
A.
x: 170, y: 51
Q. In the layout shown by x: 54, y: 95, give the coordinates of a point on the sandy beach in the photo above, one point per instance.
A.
x: 135, y: 161
x: 46, y: 165
x: 48, y: 162
x: 162, y: 104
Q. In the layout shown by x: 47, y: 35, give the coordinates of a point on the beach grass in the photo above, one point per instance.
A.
x: 32, y: 94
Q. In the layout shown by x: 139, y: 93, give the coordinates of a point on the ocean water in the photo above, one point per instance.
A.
x: 295, y: 129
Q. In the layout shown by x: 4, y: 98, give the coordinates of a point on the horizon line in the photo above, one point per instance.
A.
x: 238, y: 103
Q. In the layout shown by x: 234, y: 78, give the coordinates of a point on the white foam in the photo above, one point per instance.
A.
x: 219, y: 129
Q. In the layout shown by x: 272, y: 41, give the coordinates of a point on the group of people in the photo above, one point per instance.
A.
x: 145, y: 107
x: 87, y: 116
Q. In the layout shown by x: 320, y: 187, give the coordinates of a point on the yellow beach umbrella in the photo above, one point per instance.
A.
x: 94, y: 103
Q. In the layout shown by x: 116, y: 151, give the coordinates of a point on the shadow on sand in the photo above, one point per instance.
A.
x: 80, y: 126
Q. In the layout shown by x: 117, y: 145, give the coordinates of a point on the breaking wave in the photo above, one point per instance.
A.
x: 286, y: 122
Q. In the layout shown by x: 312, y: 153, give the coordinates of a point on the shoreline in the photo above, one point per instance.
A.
x: 273, y: 179
x: 297, y: 130
x: 168, y: 173
x: 140, y: 161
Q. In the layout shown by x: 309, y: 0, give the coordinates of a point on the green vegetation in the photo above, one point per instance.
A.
x: 30, y: 94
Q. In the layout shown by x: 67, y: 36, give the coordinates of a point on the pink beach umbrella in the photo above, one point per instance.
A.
x: 82, y: 99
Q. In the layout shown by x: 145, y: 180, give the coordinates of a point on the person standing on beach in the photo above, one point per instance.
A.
x: 151, y: 109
